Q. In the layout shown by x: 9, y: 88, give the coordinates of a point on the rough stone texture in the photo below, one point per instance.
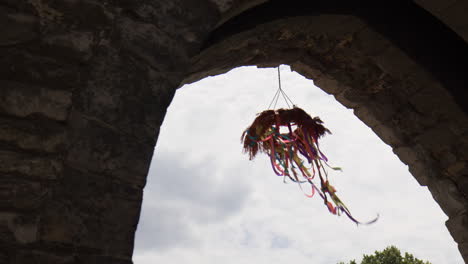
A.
x: 451, y: 12
x: 86, y: 84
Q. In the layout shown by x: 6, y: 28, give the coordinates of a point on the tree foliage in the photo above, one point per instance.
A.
x: 390, y: 255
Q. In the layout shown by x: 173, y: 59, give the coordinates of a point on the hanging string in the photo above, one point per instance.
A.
x: 279, y: 92
x: 285, y: 96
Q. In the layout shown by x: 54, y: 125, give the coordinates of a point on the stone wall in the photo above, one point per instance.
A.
x: 84, y: 88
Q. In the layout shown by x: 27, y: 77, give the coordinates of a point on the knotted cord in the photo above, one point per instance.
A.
x: 279, y: 92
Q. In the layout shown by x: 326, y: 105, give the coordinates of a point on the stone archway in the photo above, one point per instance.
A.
x: 406, y: 101
x: 85, y: 86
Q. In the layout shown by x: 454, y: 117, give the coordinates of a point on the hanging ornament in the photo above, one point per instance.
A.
x: 290, y: 137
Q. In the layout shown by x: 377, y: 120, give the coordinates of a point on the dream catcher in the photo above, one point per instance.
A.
x: 290, y: 137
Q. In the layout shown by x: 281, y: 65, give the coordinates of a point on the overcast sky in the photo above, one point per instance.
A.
x: 206, y: 203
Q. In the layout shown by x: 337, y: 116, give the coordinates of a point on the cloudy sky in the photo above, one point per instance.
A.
x: 205, y: 202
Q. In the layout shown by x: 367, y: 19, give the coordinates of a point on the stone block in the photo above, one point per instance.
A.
x: 395, y: 62
x: 6, y: 255
x: 75, y: 45
x: 23, y: 100
x: 31, y: 166
x: 448, y: 196
x: 461, y: 148
x: 29, y: 256
x: 351, y: 98
x: 40, y: 70
x: 22, y: 194
x: 90, y: 259
x: 329, y: 85
x: 190, y: 19
x: 17, y: 27
x: 454, y: 16
x: 406, y: 123
x: 128, y: 95
x: 38, y: 135
x: 458, y: 168
x: 462, y: 183
x: 151, y: 45
x: 435, y: 6
x: 40, y: 257
x: 436, y: 140
x: 422, y: 172
x: 459, y: 127
x: 366, y: 116
x: 389, y: 135
x: 93, y: 15
x: 23, y: 228
x: 335, y: 26
x: 407, y: 155
x: 309, y: 72
x: 458, y: 227
x: 99, y: 148
x: 381, y: 108
x: 463, y: 248
x: 369, y: 42
x: 90, y: 221
x: 434, y: 102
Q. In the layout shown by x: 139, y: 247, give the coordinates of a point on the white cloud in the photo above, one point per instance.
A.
x: 206, y: 203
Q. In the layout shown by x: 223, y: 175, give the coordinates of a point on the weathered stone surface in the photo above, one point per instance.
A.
x: 84, y: 210
x: 39, y: 135
x: 75, y: 44
x: 19, y: 194
x: 32, y: 166
x: 422, y: 172
x: 36, y: 256
x: 24, y: 100
x: 39, y: 70
x: 369, y: 42
x: 101, y: 260
x: 226, y: 5
x: 107, y: 151
x: 93, y: 14
x: 389, y: 135
x: 5, y: 254
x: 17, y: 27
x: 23, y: 229
x: 448, y: 196
x: 457, y: 168
x: 462, y: 183
x: 436, y: 139
x: 463, y: 248
x: 410, y: 124
x: 138, y: 111
x: 66, y: 256
x: 152, y: 45
x: 187, y: 21
x: 454, y: 16
x: 458, y: 227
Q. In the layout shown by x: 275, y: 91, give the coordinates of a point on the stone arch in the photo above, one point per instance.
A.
x: 404, y: 101
x: 85, y: 86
